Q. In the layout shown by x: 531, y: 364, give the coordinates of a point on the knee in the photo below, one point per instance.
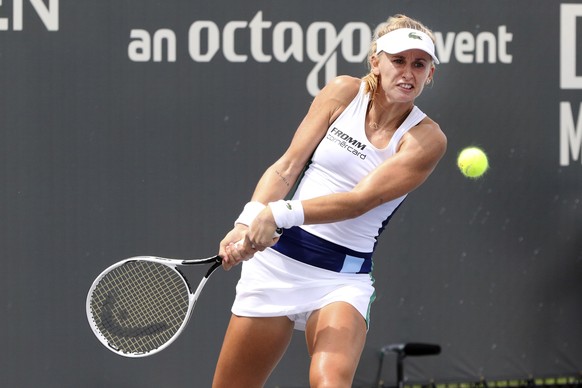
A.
x: 330, y: 378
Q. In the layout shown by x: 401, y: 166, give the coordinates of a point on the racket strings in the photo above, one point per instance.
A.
x: 140, y: 306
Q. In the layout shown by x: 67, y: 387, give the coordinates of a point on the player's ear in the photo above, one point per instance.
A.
x: 374, y: 59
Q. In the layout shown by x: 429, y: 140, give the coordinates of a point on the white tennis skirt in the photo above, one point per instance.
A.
x: 274, y: 285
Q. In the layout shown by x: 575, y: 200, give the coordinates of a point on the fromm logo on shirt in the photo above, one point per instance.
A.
x: 348, y: 143
x: 347, y: 138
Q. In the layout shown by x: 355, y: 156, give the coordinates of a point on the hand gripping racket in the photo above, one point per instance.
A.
x: 139, y: 306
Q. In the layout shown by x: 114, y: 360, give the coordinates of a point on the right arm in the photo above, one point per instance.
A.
x: 326, y: 107
x: 279, y: 178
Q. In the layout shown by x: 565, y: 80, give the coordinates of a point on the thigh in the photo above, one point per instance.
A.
x: 251, y: 349
x: 335, y: 338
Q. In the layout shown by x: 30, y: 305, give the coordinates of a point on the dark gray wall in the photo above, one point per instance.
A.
x: 103, y: 157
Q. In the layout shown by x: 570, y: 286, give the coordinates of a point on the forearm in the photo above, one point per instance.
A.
x: 320, y: 210
x: 367, y: 195
x: 333, y: 208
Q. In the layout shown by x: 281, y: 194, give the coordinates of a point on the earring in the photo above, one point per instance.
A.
x: 428, y: 81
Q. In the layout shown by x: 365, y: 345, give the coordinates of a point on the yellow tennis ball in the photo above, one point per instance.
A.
x: 472, y: 162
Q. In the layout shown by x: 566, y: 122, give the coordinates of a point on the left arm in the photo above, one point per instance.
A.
x: 419, y: 152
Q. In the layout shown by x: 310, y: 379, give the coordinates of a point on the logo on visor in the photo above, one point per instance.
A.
x: 413, y: 35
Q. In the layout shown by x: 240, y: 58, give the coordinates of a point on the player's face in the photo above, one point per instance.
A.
x: 403, y: 75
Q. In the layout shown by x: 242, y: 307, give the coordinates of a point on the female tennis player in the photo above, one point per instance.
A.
x: 366, y: 146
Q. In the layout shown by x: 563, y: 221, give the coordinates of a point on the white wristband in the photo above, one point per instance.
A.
x: 249, y: 213
x: 287, y: 213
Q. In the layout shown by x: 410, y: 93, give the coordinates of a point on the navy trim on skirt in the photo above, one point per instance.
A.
x: 303, y: 246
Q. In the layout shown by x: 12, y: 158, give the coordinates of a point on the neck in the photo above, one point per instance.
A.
x: 381, y: 117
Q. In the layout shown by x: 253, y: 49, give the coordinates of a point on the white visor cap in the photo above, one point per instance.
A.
x: 404, y: 39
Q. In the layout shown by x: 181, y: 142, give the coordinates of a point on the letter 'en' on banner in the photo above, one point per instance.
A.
x: 48, y: 14
x: 568, y: 15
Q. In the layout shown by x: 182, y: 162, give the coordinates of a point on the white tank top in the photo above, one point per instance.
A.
x: 342, y: 159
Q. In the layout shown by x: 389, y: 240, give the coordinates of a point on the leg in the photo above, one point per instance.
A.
x: 252, y: 348
x: 335, y: 339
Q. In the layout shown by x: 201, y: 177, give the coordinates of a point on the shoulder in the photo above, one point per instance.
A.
x: 432, y: 129
x: 343, y: 87
x: 428, y: 135
x: 337, y: 95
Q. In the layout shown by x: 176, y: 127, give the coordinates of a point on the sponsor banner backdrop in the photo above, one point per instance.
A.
x: 141, y: 127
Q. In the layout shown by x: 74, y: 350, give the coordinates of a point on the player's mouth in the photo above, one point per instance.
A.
x: 406, y: 86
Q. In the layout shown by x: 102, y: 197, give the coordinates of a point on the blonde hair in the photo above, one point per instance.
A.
x: 393, y: 23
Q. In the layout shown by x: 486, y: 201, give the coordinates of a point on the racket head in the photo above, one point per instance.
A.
x: 138, y: 306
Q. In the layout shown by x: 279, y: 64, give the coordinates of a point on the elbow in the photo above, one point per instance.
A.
x: 363, y: 205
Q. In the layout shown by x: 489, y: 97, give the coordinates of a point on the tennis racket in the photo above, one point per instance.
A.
x: 139, y: 306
